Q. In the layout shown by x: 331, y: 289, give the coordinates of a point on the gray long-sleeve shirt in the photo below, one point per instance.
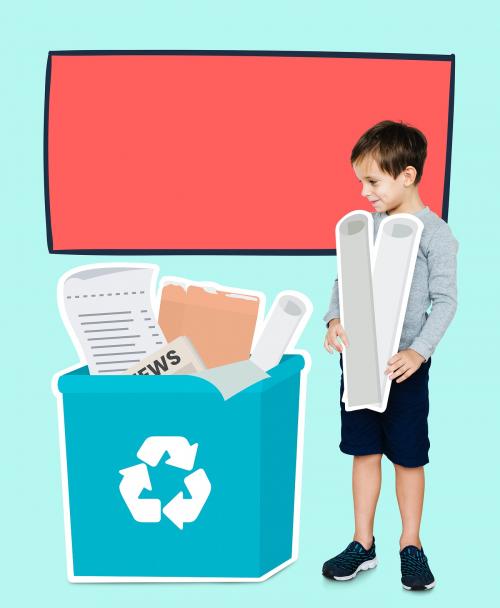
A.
x: 434, y: 282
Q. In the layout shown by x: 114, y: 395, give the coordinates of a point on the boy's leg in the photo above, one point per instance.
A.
x: 410, y: 483
x: 415, y: 572
x: 366, y: 481
x: 360, y: 553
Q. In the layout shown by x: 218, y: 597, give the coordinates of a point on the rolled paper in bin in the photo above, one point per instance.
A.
x: 279, y: 329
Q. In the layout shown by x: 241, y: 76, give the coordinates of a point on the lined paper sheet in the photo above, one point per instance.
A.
x: 110, y: 312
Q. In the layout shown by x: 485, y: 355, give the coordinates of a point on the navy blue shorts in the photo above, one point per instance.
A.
x: 400, y: 432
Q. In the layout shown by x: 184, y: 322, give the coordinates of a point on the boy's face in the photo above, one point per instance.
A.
x: 383, y: 191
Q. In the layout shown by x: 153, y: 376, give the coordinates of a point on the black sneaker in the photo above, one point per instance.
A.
x: 352, y: 560
x: 415, y: 572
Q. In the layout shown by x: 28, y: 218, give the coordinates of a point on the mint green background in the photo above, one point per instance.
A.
x: 461, y: 518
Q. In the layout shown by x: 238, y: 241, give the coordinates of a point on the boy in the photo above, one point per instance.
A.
x: 388, y: 160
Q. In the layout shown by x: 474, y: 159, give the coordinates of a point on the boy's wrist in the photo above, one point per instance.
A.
x: 419, y: 355
x: 420, y: 347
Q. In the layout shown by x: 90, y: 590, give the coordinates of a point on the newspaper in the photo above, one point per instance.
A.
x: 177, y: 357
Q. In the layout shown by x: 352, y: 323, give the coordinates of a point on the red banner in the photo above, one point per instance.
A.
x: 226, y: 151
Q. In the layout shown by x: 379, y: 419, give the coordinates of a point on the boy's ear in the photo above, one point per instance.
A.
x: 410, y: 174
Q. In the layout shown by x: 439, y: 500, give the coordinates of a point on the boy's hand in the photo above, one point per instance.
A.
x: 335, y: 330
x: 403, y: 364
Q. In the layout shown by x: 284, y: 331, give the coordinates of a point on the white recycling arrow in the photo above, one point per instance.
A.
x: 182, y: 510
x: 182, y: 454
x: 134, y: 480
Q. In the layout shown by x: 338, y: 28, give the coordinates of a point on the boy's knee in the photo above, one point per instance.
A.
x: 369, y: 458
x: 400, y: 467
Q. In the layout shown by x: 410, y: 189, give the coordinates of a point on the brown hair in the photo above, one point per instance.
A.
x: 394, y: 145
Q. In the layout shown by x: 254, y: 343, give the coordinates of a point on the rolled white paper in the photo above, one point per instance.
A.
x: 360, y: 362
x: 374, y: 285
x: 279, y: 328
x: 395, y: 253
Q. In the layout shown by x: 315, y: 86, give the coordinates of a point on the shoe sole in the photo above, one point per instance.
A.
x: 420, y: 587
x: 368, y: 565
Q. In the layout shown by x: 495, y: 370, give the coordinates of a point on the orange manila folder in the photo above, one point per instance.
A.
x: 220, y: 324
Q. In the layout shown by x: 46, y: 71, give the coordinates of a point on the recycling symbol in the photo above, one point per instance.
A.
x: 135, y: 479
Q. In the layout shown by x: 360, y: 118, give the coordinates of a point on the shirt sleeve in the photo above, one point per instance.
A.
x: 442, y: 263
x: 334, y: 308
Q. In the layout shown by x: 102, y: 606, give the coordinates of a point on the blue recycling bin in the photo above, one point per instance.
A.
x: 164, y: 480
